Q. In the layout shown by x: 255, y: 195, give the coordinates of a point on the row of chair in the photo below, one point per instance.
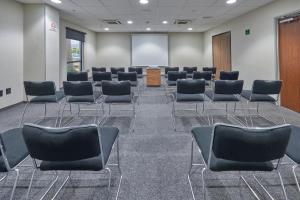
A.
x: 115, y: 70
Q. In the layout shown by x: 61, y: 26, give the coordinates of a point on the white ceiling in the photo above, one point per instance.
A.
x: 90, y: 13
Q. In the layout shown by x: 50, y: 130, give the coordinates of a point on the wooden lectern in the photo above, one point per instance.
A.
x: 153, y: 77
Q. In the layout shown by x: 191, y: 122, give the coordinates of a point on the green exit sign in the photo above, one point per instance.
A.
x: 247, y: 32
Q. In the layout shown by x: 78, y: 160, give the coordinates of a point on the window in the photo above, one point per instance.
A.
x: 75, y: 44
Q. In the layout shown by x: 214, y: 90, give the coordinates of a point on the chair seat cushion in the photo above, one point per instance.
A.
x: 49, y: 98
x: 188, y: 97
x: 140, y: 75
x: 98, y: 84
x: 293, y: 149
x: 114, y: 75
x: 108, y: 137
x: 133, y: 83
x: 118, y: 99
x: 257, y: 97
x: 220, y: 97
x: 15, y: 148
x: 85, y: 99
x: 203, y: 136
x: 171, y: 83
x: 189, y: 75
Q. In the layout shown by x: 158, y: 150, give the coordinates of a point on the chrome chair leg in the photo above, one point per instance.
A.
x: 23, y: 114
x: 15, y: 184
x: 62, y: 114
x: 203, y: 183
x: 45, y: 110
x: 60, y: 188
x: 30, y: 184
x: 250, y: 188
x: 282, y: 185
x: 4, y: 177
x: 263, y: 187
x: 295, y: 176
x: 109, y: 179
x: 173, y: 116
x: 50, y: 187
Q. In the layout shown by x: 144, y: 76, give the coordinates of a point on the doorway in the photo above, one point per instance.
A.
x: 289, y: 61
x: 221, y: 46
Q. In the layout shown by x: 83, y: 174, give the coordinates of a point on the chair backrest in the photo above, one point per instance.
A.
x: 84, y: 88
x: 190, y: 70
x: 62, y: 144
x: 98, y: 69
x: 190, y: 86
x: 250, y: 144
x: 127, y: 76
x: 171, y: 69
x: 174, y: 75
x: 77, y: 76
x: 210, y: 69
x: 116, y: 88
x: 43, y: 88
x: 102, y: 76
x: 229, y: 87
x: 234, y: 75
x: 138, y: 70
x: 206, y: 75
x: 115, y: 70
x: 266, y: 87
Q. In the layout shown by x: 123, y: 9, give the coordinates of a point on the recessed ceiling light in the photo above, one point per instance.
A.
x: 129, y: 22
x: 231, y: 1
x: 56, y: 1
x: 144, y: 1
x: 190, y: 29
x: 106, y: 29
x: 148, y: 29
x: 165, y: 22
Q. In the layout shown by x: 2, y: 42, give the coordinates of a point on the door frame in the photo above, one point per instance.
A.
x: 212, y: 49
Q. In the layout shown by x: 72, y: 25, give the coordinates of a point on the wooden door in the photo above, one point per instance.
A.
x: 222, y: 52
x: 289, y: 61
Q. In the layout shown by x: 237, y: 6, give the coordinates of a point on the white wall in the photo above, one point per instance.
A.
x: 255, y: 55
x: 89, y: 48
x: 114, y: 49
x: 11, y: 52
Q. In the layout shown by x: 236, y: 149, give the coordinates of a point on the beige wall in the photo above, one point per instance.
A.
x: 11, y: 52
x: 114, y: 49
x: 89, y: 48
x: 255, y: 55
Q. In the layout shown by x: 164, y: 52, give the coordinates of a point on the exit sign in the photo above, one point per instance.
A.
x: 247, y: 32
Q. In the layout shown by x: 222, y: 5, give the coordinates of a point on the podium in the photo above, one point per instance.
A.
x: 153, y: 77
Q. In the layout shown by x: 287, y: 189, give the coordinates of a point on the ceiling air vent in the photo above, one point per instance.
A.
x: 112, y: 21
x: 182, y: 21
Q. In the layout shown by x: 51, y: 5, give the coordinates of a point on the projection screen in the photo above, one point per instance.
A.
x: 150, y: 50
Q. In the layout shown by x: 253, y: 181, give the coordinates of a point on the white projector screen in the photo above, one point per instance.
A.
x: 150, y: 50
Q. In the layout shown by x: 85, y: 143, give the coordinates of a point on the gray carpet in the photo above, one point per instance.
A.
x: 154, y: 159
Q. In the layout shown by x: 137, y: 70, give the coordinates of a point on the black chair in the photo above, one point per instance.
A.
x: 262, y: 91
x: 98, y: 69
x: 226, y: 92
x: 173, y: 76
x: 207, y: 76
x: 42, y: 93
x: 13, y: 152
x: 138, y: 70
x: 190, y: 71
x: 77, y: 76
x: 170, y: 69
x: 188, y: 91
x: 115, y: 70
x: 81, y: 148
x: 231, y: 76
x: 116, y: 93
x: 128, y: 76
x: 232, y: 148
x: 98, y: 77
x: 210, y: 69
x: 81, y: 93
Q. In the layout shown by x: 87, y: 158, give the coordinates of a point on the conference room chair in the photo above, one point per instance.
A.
x: 254, y: 150
x: 188, y: 92
x: 293, y: 151
x: 231, y: 76
x: 138, y: 70
x: 82, y: 93
x: 119, y: 93
x: 98, y: 69
x: 80, y: 148
x: 77, y: 76
x: 170, y: 69
x: 206, y: 75
x: 13, y: 153
x: 98, y: 77
x: 171, y: 81
x: 190, y: 71
x: 132, y: 78
x: 225, y: 92
x: 210, y: 69
x: 115, y: 70
x: 42, y: 93
x: 263, y: 91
